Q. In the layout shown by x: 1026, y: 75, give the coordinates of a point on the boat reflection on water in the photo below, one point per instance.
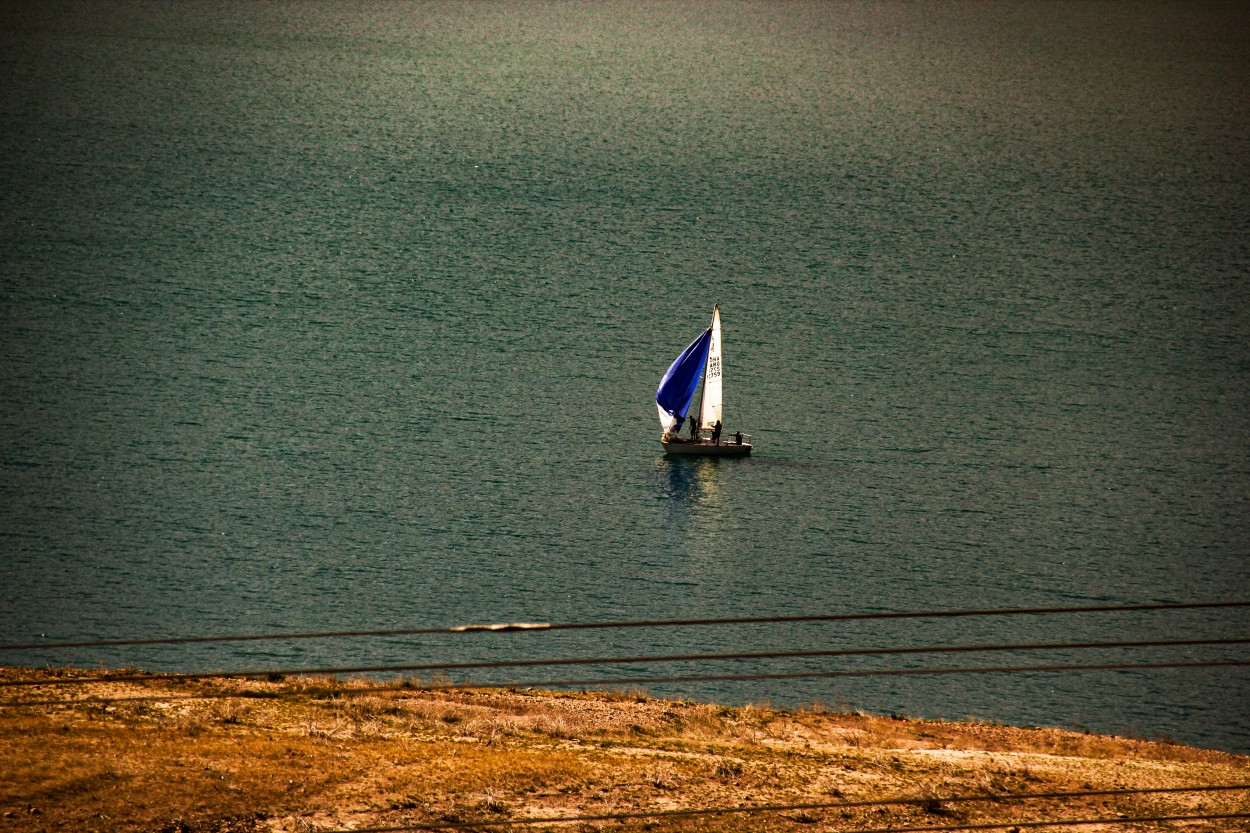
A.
x: 689, y: 482
x: 691, y: 492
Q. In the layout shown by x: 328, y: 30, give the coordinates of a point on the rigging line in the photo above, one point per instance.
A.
x: 841, y: 805
x: 635, y: 681
x: 531, y: 663
x: 642, y: 623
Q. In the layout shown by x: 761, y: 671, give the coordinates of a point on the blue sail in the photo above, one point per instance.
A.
x: 679, y: 383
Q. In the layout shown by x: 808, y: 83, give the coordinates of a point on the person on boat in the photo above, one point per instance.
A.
x: 716, y: 433
x: 694, y: 429
x: 738, y: 437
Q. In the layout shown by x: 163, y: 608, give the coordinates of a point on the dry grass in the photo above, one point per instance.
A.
x: 318, y: 754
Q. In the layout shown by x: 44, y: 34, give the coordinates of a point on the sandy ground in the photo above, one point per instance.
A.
x: 319, y: 755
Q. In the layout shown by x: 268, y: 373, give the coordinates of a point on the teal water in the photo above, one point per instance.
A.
x: 348, y: 316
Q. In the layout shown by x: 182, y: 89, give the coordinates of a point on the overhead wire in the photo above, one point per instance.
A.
x: 852, y: 805
x: 624, y: 681
x: 642, y: 623
x: 626, y: 660
x: 1102, y: 820
x: 998, y: 825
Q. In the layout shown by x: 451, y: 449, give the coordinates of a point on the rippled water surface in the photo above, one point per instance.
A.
x: 347, y: 316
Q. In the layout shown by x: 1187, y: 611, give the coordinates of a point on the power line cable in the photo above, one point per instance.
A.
x: 627, y: 681
x: 644, y: 623
x: 998, y: 825
x: 1115, y: 820
x: 530, y: 663
x: 848, y: 805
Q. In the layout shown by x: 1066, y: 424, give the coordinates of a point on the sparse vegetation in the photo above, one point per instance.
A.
x: 317, y: 754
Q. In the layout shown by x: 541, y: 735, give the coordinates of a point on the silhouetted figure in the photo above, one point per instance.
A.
x: 716, y: 433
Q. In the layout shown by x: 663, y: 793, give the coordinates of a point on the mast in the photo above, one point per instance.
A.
x: 710, y: 399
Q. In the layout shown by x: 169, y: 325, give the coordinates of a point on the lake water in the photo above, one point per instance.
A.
x: 346, y: 316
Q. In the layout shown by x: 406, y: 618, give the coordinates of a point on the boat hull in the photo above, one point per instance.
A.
x: 707, y: 449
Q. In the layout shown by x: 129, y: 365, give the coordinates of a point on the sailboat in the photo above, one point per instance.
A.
x: 700, y: 361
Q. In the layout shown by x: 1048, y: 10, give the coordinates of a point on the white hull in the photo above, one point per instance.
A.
x: 707, y: 448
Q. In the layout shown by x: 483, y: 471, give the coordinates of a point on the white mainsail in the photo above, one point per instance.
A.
x: 710, y: 412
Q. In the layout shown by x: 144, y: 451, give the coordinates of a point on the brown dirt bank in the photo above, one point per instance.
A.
x: 316, y: 754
